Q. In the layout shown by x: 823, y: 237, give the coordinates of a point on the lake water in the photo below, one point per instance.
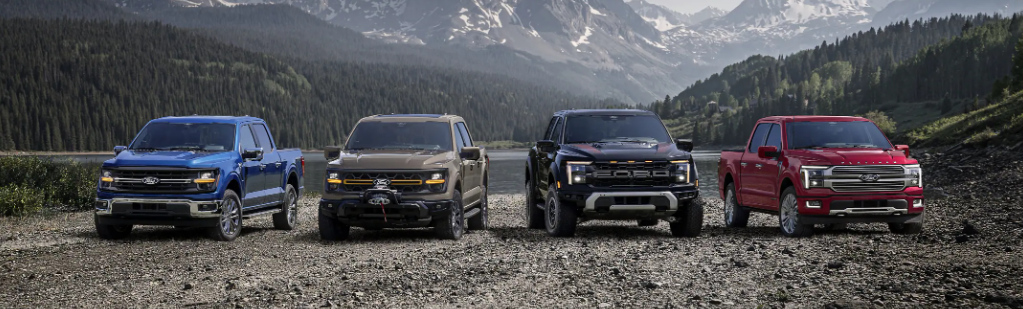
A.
x: 506, y: 170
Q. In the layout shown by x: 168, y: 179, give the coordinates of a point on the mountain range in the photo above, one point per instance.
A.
x: 636, y: 50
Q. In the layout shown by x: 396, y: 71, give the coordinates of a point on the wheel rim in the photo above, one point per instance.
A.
x: 552, y: 213
x: 729, y: 207
x: 292, y: 207
x: 788, y: 214
x: 483, y: 209
x: 230, y: 218
x: 457, y: 219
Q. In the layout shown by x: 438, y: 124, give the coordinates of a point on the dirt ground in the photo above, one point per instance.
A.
x: 58, y: 261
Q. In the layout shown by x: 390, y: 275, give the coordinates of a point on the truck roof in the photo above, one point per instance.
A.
x: 631, y: 112
x: 208, y: 119
x: 813, y: 118
x: 414, y: 118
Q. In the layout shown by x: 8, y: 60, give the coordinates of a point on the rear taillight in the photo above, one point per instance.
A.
x: 303, y: 164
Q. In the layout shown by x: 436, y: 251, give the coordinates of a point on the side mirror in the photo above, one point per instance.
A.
x: 331, y: 152
x: 684, y: 144
x: 545, y: 145
x: 768, y: 152
x: 252, y: 154
x: 470, y: 153
x: 903, y: 148
x: 119, y: 149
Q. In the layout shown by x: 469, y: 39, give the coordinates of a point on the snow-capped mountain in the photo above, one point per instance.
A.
x: 665, y: 19
x: 913, y: 9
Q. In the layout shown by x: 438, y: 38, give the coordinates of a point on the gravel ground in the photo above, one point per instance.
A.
x: 58, y: 261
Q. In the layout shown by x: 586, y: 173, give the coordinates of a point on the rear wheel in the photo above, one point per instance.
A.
x: 230, y: 225
x: 561, y: 220
x: 788, y: 216
x: 287, y: 219
x: 735, y: 215
x: 481, y: 221
x: 110, y: 231
x: 332, y: 229
x: 689, y: 220
x: 453, y: 225
x: 534, y: 215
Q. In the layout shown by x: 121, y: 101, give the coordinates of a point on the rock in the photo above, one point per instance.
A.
x: 741, y: 264
x: 604, y: 305
x: 359, y: 294
x: 188, y: 286
x: 751, y: 248
x: 969, y: 229
x: 652, y: 285
x: 787, y: 251
x: 715, y: 301
x: 835, y: 264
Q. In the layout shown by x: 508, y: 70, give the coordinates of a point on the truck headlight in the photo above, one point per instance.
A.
x: 576, y: 171
x: 435, y: 179
x: 106, y: 176
x: 683, y: 171
x: 915, y: 175
x: 333, y: 181
x: 207, y: 181
x: 812, y: 176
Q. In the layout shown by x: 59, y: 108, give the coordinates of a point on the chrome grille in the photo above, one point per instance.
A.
x: 847, y: 178
x: 624, y: 174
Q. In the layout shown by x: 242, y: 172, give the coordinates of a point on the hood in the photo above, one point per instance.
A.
x: 851, y: 156
x: 393, y: 159
x: 169, y: 158
x: 625, y: 151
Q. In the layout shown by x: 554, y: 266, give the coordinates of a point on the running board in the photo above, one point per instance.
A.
x: 262, y: 213
x: 472, y: 213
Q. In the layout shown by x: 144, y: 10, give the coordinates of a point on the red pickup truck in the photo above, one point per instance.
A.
x: 827, y: 170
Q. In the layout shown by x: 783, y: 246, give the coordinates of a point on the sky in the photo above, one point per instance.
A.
x: 693, y: 6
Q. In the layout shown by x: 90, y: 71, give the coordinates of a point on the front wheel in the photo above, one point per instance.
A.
x: 287, y: 219
x: 788, y: 216
x: 453, y: 225
x: 689, y: 220
x: 481, y: 221
x: 561, y: 220
x: 230, y: 225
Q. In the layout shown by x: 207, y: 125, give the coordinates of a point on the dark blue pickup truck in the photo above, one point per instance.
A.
x: 199, y: 171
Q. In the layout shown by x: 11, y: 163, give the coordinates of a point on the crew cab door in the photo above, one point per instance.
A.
x: 273, y: 170
x: 544, y: 159
x: 251, y: 169
x: 472, y: 170
x: 768, y: 172
x: 750, y: 167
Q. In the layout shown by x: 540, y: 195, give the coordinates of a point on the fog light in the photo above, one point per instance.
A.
x: 102, y: 205
x: 918, y: 203
x: 813, y: 204
x: 207, y: 207
x: 577, y: 179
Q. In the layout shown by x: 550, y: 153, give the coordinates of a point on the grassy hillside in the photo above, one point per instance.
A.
x: 1000, y: 123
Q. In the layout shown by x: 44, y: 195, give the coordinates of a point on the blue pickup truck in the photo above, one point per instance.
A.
x: 199, y: 171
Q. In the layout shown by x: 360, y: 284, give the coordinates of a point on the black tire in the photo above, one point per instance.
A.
x: 689, y: 220
x: 788, y: 216
x: 110, y: 231
x: 906, y: 228
x: 647, y: 222
x: 482, y: 220
x: 561, y: 220
x: 534, y: 215
x: 287, y: 219
x: 332, y: 229
x: 230, y: 225
x: 735, y: 215
x: 453, y: 226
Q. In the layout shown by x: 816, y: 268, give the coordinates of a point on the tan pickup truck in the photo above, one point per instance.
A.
x: 405, y: 171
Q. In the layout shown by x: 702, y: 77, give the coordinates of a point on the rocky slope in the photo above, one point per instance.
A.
x: 967, y: 256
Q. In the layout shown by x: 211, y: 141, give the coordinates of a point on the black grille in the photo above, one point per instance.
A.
x: 170, y: 180
x: 624, y: 174
x: 403, y: 182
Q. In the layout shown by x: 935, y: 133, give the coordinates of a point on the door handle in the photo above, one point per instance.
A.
x: 759, y: 165
x: 278, y: 164
x: 743, y: 164
x: 262, y: 167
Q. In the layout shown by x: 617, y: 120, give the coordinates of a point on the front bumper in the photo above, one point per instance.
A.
x: 901, y: 207
x: 628, y: 203
x: 143, y: 211
x: 405, y: 214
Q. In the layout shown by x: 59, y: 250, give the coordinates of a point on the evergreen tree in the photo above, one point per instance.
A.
x: 946, y: 105
x: 1017, y: 67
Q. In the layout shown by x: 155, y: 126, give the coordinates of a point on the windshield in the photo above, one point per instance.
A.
x: 614, y: 128
x: 846, y: 134
x: 186, y: 136
x: 401, y: 135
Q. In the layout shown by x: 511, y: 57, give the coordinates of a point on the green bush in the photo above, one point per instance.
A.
x: 18, y: 200
x: 63, y: 183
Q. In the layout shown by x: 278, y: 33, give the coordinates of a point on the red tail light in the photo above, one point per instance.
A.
x: 303, y: 165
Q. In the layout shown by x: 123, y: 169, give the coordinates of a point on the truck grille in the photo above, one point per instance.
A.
x: 847, y: 178
x: 170, y: 180
x: 624, y: 174
x: 404, y: 182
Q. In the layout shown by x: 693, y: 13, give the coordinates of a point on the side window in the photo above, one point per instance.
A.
x: 263, y: 137
x: 464, y: 131
x: 556, y: 136
x: 459, y: 142
x: 758, y: 136
x: 550, y: 128
x: 774, y: 138
x: 247, y: 141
